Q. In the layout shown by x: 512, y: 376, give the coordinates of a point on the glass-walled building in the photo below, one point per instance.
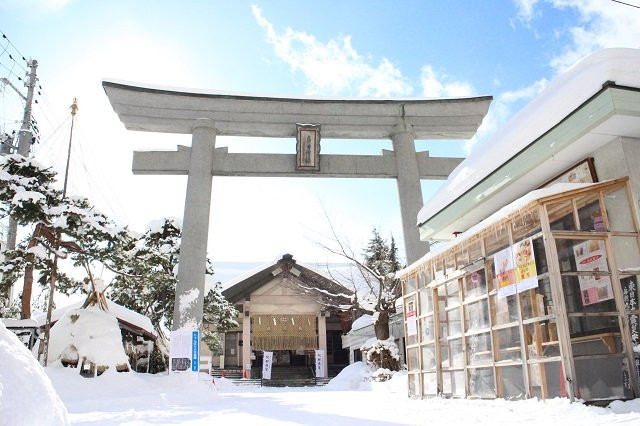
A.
x: 540, y: 299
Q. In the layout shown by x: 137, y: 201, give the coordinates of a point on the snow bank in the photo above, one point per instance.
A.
x: 353, y: 377
x: 27, y: 396
x: 91, y: 333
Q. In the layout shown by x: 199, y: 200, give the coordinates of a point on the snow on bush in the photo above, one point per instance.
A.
x: 91, y: 334
x: 384, y: 355
x: 27, y: 396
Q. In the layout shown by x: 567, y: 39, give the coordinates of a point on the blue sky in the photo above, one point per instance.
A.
x: 434, y: 49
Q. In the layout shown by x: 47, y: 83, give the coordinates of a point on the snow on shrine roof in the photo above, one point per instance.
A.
x: 153, y: 108
x: 19, y: 323
x: 120, y: 312
x: 517, y: 205
x: 560, y: 99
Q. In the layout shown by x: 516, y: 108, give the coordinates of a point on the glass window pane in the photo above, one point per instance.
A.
x: 618, y: 210
x: 410, y: 285
x: 504, y: 310
x: 412, y: 359
x: 626, y: 253
x: 439, y: 268
x: 426, y: 329
x: 541, y: 338
x: 474, y: 249
x: 475, y: 284
x: 601, y: 378
x: 453, y: 383
x: 476, y: 315
x: 481, y: 382
x: 590, y: 213
x: 479, y: 349
x: 455, y: 358
x: 540, y: 255
x: 414, y: 385
x: 537, y: 302
x: 528, y: 223
x: 510, y: 382
x: 453, y: 322
x: 410, y: 315
x: 429, y: 357
x: 547, y: 380
x: 426, y: 300
x: 582, y: 255
x: 430, y: 384
x: 587, y: 294
x: 497, y: 239
x: 561, y: 216
x: 595, y: 335
x: 508, y: 342
x: 453, y: 295
x: 450, y: 264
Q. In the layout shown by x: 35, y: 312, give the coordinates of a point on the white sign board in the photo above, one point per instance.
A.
x: 183, y: 350
x: 320, y: 363
x: 267, y: 362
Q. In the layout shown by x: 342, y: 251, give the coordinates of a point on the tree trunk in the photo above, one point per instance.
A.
x: 381, y: 326
x: 27, y: 286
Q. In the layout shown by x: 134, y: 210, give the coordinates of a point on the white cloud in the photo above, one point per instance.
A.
x: 526, y: 9
x: 502, y: 109
x: 436, y: 85
x: 602, y: 24
x: 334, y: 67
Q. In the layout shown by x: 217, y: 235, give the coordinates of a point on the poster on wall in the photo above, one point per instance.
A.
x: 591, y: 256
x: 184, y: 350
x: 267, y: 362
x: 525, y: 265
x: 412, y: 322
x: 320, y: 363
x: 505, y: 272
x: 515, y: 268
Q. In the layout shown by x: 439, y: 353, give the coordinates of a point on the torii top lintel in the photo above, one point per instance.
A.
x: 169, y: 110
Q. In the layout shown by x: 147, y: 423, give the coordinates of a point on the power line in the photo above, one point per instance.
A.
x: 4, y: 36
x: 626, y: 4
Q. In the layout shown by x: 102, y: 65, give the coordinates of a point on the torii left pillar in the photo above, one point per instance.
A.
x: 189, y: 301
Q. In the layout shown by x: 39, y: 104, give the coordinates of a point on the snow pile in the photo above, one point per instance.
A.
x: 27, y: 396
x: 353, y: 377
x: 89, y: 333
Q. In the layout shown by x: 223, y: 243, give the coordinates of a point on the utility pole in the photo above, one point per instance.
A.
x: 56, y: 246
x: 24, y: 146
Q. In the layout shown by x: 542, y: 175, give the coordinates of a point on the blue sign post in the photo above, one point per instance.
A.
x: 195, y: 350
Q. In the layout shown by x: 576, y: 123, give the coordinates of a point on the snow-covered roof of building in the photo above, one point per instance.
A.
x: 122, y: 313
x: 308, y: 279
x: 506, y: 211
x: 483, y: 175
x: 19, y: 323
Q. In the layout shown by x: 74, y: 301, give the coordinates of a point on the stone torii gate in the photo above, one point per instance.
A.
x: 206, y: 115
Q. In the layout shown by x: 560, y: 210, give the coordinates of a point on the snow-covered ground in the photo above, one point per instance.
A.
x: 135, y: 399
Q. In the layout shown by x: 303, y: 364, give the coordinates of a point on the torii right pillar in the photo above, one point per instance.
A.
x: 409, y: 191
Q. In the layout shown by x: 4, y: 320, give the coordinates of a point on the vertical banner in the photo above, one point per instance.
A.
x: 320, y: 363
x: 195, y: 350
x: 267, y: 362
x: 183, y: 352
